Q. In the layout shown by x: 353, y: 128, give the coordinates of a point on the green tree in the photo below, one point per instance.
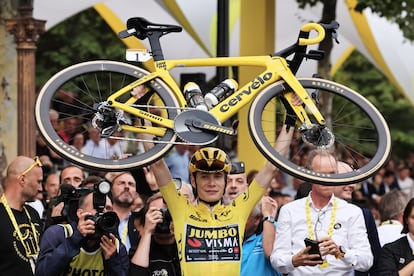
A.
x: 85, y: 36
x: 400, y: 12
x: 363, y: 77
x: 357, y: 72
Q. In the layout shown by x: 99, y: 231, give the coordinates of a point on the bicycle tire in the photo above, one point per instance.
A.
x: 91, y: 82
x: 362, y: 137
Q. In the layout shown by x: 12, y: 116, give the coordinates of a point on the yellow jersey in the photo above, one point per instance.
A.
x: 209, y: 242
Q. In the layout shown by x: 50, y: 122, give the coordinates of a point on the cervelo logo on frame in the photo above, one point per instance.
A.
x: 256, y: 84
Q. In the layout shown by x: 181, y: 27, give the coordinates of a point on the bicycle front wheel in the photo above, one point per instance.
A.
x: 361, y: 135
x: 76, y: 91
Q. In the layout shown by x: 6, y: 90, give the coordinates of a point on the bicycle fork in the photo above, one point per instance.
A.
x: 318, y: 134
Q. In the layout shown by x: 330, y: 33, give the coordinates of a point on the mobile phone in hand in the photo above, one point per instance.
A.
x: 314, y: 247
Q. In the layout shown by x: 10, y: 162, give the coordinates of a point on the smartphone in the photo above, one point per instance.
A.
x: 314, y: 247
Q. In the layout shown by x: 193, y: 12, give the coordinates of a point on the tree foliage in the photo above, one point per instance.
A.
x: 358, y: 73
x: 84, y: 36
x: 400, y: 12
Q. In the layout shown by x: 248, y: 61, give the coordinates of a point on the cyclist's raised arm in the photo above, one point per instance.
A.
x: 159, y: 169
x: 161, y: 172
x: 283, y: 141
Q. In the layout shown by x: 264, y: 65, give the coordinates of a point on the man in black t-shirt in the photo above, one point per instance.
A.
x: 20, y: 224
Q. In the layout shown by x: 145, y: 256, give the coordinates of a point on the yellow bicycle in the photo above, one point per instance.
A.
x: 97, y: 95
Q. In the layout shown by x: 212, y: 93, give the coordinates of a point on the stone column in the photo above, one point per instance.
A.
x: 26, y: 30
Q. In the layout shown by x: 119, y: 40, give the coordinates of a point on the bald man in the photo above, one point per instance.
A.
x: 20, y: 224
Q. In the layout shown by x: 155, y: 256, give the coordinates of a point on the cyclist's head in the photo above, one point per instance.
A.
x: 209, y: 168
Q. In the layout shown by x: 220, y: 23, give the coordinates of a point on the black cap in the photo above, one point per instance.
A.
x: 237, y: 167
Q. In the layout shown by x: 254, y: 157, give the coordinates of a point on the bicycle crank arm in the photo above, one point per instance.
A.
x: 196, y: 123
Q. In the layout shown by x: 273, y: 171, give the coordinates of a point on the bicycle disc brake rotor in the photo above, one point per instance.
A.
x: 320, y: 137
x: 185, y: 129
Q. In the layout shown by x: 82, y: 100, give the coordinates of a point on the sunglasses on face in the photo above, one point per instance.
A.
x: 36, y: 163
x: 205, y: 166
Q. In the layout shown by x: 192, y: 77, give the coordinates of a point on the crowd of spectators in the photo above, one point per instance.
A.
x: 136, y: 200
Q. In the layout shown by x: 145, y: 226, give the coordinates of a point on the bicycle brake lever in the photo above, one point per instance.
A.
x: 335, y: 36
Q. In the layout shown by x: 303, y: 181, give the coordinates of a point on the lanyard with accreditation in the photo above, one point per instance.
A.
x: 32, y: 256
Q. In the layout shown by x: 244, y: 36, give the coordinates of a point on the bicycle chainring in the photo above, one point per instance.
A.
x: 183, y: 126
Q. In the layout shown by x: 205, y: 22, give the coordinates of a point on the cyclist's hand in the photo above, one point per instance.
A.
x: 296, y: 100
x: 150, y: 178
x: 138, y: 92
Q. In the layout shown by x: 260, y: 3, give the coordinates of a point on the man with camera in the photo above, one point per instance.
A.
x: 123, y: 191
x: 70, y: 177
x: 157, y: 251
x: 88, y: 245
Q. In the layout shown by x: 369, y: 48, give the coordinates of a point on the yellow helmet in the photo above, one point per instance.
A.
x: 210, y: 159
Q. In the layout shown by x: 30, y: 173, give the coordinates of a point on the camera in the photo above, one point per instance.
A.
x: 164, y: 226
x: 69, y: 195
x: 105, y: 223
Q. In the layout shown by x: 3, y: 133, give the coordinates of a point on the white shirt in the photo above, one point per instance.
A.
x: 389, y: 231
x: 96, y: 150
x: 103, y: 149
x: 349, y: 232
x: 406, y: 185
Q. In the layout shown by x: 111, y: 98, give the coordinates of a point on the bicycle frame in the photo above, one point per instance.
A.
x: 276, y: 68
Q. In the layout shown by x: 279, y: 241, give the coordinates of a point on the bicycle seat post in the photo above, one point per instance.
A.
x: 154, y: 40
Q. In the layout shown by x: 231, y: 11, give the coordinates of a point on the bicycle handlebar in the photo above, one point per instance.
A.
x: 309, y: 27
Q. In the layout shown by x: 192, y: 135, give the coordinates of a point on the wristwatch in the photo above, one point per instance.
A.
x: 341, y: 253
x: 269, y: 219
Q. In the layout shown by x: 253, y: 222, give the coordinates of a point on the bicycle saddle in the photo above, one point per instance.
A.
x: 141, y: 28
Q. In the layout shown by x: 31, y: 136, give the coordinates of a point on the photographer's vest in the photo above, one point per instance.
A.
x: 85, y: 263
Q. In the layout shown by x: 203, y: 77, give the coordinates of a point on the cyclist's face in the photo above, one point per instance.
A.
x: 210, y: 186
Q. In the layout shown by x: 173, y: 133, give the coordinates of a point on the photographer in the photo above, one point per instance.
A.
x: 70, y: 176
x: 157, y: 251
x: 86, y: 246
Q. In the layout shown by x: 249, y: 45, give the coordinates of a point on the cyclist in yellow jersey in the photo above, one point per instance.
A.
x: 209, y: 235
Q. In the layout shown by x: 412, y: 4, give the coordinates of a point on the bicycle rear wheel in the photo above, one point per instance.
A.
x: 74, y: 91
x: 362, y: 137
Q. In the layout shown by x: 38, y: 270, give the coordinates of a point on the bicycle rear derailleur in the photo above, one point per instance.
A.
x: 107, y: 119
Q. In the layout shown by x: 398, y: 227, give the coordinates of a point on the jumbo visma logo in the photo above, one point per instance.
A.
x: 213, y: 243
x: 256, y: 84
